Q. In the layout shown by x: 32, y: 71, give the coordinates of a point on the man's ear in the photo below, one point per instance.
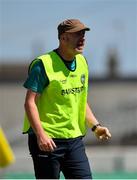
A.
x: 63, y: 37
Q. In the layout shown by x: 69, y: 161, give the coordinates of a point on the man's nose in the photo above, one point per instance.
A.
x: 82, y: 37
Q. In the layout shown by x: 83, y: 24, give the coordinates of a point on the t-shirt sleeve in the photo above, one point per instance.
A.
x: 37, y: 78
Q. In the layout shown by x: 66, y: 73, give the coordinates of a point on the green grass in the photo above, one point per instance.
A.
x: 113, y: 175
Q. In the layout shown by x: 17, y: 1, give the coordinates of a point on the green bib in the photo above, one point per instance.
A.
x: 62, y: 104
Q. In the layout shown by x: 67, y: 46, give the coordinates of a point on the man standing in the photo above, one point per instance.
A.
x: 56, y: 107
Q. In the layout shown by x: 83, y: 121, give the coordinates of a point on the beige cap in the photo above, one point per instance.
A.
x: 70, y: 26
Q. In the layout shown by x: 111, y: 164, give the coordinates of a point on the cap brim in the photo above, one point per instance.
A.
x: 76, y: 29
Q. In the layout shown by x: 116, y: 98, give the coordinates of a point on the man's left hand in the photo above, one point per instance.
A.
x: 102, y: 133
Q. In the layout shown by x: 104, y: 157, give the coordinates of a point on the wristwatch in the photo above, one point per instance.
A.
x: 95, y: 126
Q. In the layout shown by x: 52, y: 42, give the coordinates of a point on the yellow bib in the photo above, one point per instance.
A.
x: 62, y: 104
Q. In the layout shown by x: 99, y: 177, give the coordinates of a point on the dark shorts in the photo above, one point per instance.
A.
x: 69, y: 157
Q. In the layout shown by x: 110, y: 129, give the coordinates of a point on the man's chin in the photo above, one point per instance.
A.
x: 79, y: 50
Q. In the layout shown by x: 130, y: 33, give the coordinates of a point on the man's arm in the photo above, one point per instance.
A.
x: 45, y: 143
x: 100, y: 131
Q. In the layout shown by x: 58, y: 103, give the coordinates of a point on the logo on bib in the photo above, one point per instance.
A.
x: 63, y: 81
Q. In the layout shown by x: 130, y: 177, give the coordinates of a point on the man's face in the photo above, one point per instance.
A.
x: 75, y: 41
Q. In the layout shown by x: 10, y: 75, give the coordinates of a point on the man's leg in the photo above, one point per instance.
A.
x: 45, y: 168
x: 46, y: 164
x: 75, y: 164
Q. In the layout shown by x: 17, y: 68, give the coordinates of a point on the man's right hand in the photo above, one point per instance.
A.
x: 45, y: 143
